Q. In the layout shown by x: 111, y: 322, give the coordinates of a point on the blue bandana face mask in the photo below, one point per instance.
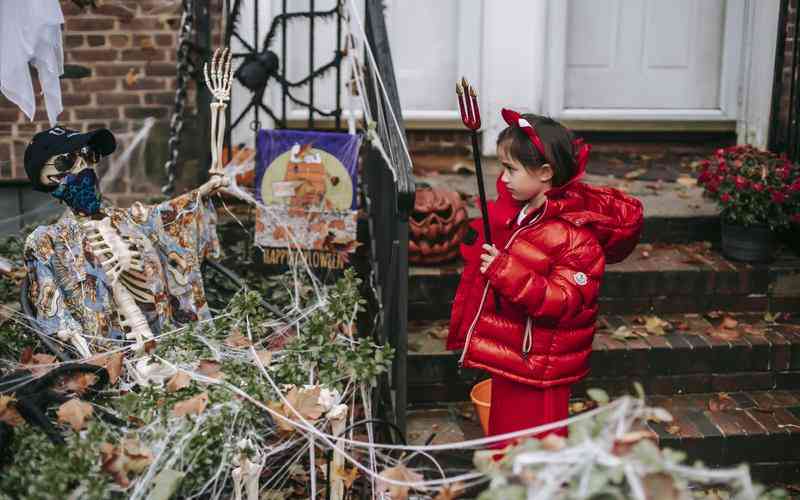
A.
x: 80, y: 192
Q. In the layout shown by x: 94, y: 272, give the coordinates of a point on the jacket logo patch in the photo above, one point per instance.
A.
x: 580, y: 279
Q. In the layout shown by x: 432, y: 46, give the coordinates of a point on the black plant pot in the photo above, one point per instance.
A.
x: 747, y: 244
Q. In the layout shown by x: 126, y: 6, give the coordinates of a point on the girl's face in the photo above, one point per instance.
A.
x: 522, y: 183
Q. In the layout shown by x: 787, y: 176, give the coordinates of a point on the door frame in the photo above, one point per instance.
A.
x: 730, y: 76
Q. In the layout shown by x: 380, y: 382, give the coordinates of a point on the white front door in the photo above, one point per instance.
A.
x: 645, y: 59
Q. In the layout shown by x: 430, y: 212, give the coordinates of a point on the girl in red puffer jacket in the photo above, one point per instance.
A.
x: 553, y: 236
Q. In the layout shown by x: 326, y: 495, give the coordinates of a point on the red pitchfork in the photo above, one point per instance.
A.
x: 471, y: 116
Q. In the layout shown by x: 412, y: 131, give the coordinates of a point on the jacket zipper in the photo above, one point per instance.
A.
x: 486, y: 289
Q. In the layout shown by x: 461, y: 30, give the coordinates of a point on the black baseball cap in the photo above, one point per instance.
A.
x: 60, y: 140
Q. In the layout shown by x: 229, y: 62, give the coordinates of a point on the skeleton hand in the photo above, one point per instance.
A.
x: 218, y: 82
x: 218, y: 181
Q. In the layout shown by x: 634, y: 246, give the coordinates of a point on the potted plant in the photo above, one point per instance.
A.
x: 759, y: 194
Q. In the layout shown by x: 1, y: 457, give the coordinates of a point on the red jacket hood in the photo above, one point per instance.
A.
x: 614, y: 217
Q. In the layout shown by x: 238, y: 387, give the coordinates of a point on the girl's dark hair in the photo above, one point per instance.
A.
x: 557, y: 140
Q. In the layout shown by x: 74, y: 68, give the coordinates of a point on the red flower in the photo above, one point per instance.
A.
x: 758, y: 187
x: 741, y: 183
x: 722, y: 168
x: 784, y: 173
x: 778, y: 196
x: 795, y: 186
x: 704, y: 176
x: 725, y: 198
x: 705, y: 164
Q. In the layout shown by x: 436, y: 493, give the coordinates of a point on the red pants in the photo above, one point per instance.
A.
x: 518, y: 406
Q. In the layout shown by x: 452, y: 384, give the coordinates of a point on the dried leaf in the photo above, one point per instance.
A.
x: 723, y: 334
x: 237, y: 340
x: 674, y: 429
x: 191, y: 406
x: 635, y: 174
x: 132, y: 76
x: 721, y: 402
x: 8, y: 412
x: 450, y: 492
x: 178, y: 381
x: 265, y: 357
x: 397, y: 473
x: 656, y: 326
x: 74, y: 412
x: 661, y: 486
x: 210, y: 368
x: 150, y: 346
x: 79, y: 383
x: 26, y: 356
x: 622, y: 333
x: 624, y: 444
x: 129, y: 456
x: 306, y: 402
x: 41, y: 364
x: 348, y: 476
x: 282, y: 423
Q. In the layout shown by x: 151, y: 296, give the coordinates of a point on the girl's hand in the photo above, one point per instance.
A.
x: 488, y: 257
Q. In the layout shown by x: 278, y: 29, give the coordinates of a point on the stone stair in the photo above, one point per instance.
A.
x: 676, y: 316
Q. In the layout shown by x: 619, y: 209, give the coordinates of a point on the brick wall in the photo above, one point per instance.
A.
x: 779, y: 122
x: 130, y: 49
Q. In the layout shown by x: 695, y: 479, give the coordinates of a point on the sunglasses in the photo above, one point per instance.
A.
x: 63, y: 163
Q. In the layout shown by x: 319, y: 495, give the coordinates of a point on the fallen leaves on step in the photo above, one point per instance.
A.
x: 8, y: 412
x: 178, y: 381
x: 74, y: 412
x: 191, y: 406
x: 397, y: 473
x: 130, y: 456
x: 635, y: 174
x: 726, y: 330
x: 721, y: 402
x: 623, y: 333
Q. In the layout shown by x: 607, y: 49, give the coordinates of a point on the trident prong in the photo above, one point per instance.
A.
x: 468, y: 105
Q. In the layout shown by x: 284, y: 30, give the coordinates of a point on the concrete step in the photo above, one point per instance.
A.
x: 696, y: 355
x: 656, y: 278
x: 761, y: 428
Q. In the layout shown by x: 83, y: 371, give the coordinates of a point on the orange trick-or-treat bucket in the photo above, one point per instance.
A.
x: 481, y: 395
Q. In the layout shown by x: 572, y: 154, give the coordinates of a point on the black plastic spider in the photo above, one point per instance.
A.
x: 259, y: 66
x: 34, y: 396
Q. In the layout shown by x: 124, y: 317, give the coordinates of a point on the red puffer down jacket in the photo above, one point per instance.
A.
x: 547, y: 276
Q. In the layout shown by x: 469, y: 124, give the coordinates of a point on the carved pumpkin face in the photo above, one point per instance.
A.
x: 436, y: 227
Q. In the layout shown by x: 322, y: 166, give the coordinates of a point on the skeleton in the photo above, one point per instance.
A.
x: 219, y: 83
x: 121, y: 260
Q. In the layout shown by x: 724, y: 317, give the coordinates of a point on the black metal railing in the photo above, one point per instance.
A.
x: 784, y: 130
x: 389, y: 190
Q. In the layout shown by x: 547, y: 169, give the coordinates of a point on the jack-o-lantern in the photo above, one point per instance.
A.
x: 436, y: 227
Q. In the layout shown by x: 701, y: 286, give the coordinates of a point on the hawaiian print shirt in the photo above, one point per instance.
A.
x: 70, y: 291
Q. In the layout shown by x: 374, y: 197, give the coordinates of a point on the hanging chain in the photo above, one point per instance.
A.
x: 176, y: 122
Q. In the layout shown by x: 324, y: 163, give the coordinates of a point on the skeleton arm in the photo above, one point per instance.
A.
x: 218, y: 82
